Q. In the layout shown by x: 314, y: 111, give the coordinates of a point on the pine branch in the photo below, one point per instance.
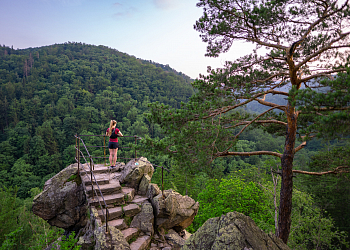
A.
x: 301, y: 146
x: 325, y: 73
x: 320, y: 51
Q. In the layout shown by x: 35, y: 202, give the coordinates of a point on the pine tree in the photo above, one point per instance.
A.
x: 298, y: 45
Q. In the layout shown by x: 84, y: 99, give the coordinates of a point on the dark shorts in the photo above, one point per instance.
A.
x: 113, y: 145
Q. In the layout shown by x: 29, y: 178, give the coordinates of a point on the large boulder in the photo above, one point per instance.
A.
x: 134, y: 171
x: 233, y: 231
x: 174, y: 210
x: 63, y: 202
x: 145, y: 219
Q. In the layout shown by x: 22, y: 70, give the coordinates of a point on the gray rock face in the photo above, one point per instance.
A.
x: 133, y: 172
x: 174, y: 239
x: 144, y: 183
x: 152, y: 191
x: 145, y: 219
x: 233, y: 231
x: 113, y: 241
x: 175, y: 211
x: 62, y: 202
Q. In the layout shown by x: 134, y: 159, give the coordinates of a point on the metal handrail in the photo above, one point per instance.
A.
x: 91, y: 164
x: 78, y: 139
x: 104, y: 146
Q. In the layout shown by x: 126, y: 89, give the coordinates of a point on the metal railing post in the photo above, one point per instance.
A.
x: 78, y: 151
x: 104, y: 147
x: 107, y: 214
x: 92, y: 184
x: 162, y: 183
x: 135, y: 148
x: 76, y: 146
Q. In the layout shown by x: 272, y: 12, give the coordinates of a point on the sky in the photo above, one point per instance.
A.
x: 157, y: 30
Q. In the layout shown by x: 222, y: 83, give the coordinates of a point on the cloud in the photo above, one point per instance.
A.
x: 117, y: 5
x: 123, y: 11
x: 164, y: 4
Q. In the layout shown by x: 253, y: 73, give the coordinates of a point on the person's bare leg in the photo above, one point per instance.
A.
x: 115, y: 157
x: 111, y: 156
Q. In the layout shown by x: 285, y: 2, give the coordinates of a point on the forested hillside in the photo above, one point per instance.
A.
x: 50, y: 93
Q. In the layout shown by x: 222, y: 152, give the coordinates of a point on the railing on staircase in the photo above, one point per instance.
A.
x: 92, y: 176
x: 90, y: 164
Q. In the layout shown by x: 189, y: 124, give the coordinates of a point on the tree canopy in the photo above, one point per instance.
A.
x: 50, y: 93
x: 299, y: 44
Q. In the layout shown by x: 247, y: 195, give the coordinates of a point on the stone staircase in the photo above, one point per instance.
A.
x: 122, y: 203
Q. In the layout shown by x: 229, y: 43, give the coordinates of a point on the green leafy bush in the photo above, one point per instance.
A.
x: 227, y: 195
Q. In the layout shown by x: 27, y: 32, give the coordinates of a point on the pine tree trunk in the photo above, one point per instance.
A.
x: 285, y: 210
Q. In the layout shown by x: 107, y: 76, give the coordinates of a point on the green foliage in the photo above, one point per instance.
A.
x: 69, y: 243
x: 331, y: 192
x: 45, y: 238
x: 311, y: 229
x: 20, y: 229
x: 49, y: 94
x: 132, y: 239
x: 233, y: 194
x: 11, y: 240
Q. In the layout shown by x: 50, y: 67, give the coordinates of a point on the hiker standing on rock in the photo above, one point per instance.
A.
x: 113, y: 144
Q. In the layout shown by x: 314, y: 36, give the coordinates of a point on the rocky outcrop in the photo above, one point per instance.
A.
x: 140, y: 216
x: 233, y: 231
x: 128, y: 194
x: 174, y: 210
x: 63, y: 202
x: 136, y: 171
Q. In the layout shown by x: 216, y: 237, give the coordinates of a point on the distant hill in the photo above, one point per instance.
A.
x: 50, y: 93
x: 82, y: 73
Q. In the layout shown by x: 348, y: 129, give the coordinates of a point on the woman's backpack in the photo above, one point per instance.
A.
x: 113, y: 134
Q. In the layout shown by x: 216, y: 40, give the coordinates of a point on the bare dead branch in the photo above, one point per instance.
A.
x: 221, y: 154
x: 337, y: 170
x: 259, y: 121
x: 331, y: 108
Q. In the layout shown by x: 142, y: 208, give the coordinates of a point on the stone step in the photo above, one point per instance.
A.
x: 141, y: 243
x: 138, y: 199
x: 130, y: 232
x: 106, y: 189
x: 100, y: 169
x: 101, y: 179
x: 115, y: 199
x: 131, y: 210
x: 97, y: 169
x: 114, y: 213
x: 129, y: 193
x: 117, y: 223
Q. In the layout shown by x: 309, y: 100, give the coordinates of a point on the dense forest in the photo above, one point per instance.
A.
x: 51, y: 93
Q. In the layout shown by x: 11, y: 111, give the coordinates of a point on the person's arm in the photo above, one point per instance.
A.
x: 120, y: 134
